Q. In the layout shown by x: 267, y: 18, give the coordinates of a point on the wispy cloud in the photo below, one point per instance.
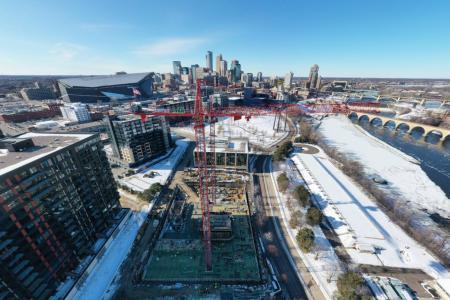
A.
x: 97, y: 27
x: 66, y: 51
x: 169, y: 46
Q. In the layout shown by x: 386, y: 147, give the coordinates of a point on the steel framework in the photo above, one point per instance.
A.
x: 205, y: 167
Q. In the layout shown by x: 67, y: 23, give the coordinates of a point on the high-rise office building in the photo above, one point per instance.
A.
x: 288, y: 80
x: 194, y: 72
x: 223, y: 68
x: 209, y: 60
x: 57, y: 197
x: 313, y: 77
x: 177, y: 67
x: 236, y: 70
x: 218, y: 64
x: 247, y: 79
x: 136, y: 141
x: 259, y: 77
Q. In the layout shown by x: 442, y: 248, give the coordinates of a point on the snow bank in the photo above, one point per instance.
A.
x: 98, y: 281
x: 368, y: 235
x: 405, y: 178
x: 322, y: 262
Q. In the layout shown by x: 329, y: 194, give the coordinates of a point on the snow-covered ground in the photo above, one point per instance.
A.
x: 162, y: 169
x: 259, y: 130
x: 359, y: 223
x: 96, y: 284
x: 322, y: 262
x: 405, y: 178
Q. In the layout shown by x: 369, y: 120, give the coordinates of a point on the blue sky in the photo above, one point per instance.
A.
x: 379, y: 38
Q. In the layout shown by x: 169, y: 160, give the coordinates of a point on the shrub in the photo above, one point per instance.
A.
x: 150, y: 193
x: 301, y: 194
x: 308, y: 134
x: 349, y: 285
x: 294, y: 222
x: 282, y: 151
x: 313, y: 216
x: 283, y: 182
x: 305, y: 239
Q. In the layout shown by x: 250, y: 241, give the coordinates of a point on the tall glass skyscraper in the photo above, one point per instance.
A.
x: 177, y: 67
x: 194, y: 72
x: 209, y: 60
x: 236, y: 69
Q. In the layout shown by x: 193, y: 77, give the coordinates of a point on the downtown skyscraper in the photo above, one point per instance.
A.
x: 288, y: 80
x: 176, y: 67
x: 223, y: 68
x: 209, y: 60
x: 236, y: 71
x: 313, y: 78
x: 218, y: 64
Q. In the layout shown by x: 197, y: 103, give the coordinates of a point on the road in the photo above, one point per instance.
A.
x: 266, y: 226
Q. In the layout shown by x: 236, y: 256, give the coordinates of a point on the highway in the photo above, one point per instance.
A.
x: 274, y: 249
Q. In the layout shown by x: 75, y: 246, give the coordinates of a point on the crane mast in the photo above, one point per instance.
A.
x: 206, y: 167
x: 203, y: 175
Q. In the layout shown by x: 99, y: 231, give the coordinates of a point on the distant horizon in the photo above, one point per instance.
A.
x: 264, y: 76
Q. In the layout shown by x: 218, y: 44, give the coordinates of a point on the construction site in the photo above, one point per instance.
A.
x: 168, y: 256
x: 199, y: 237
x: 178, y: 255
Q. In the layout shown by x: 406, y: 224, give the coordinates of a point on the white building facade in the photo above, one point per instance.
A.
x: 76, y: 112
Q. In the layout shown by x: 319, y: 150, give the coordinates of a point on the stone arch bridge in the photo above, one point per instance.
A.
x: 410, y: 126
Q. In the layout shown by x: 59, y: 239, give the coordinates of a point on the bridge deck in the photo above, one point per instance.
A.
x: 411, y: 125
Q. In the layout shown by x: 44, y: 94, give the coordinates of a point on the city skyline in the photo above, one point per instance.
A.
x: 348, y: 39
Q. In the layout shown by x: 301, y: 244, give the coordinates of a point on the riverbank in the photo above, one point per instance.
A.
x: 434, y: 158
x: 405, y: 178
x: 368, y: 235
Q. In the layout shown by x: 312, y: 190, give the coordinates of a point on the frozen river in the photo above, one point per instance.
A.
x: 406, y: 178
x: 434, y: 159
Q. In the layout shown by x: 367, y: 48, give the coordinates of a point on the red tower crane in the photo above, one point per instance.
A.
x: 206, y: 169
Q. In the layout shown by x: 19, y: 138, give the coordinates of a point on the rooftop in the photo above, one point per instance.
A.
x: 231, y: 144
x: 44, y: 144
x: 104, y: 80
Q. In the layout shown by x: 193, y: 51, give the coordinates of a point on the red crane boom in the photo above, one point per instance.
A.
x: 206, y: 169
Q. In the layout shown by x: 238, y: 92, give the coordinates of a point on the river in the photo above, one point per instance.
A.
x: 434, y: 157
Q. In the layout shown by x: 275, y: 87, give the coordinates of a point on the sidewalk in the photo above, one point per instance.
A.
x: 310, y: 284
x: 322, y: 265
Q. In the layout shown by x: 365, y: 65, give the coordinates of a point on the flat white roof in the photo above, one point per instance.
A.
x: 44, y: 144
x: 231, y: 145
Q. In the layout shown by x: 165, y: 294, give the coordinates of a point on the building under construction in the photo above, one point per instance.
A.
x: 229, y: 153
x: 178, y: 254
